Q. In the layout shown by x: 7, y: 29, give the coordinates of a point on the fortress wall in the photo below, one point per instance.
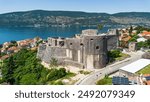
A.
x: 54, y: 52
x: 95, y: 51
x: 57, y: 42
x: 74, y: 47
x: 41, y: 50
x: 112, y: 42
x: 93, y: 45
x: 74, y: 64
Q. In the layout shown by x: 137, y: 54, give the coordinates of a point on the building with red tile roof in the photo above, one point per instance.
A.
x: 25, y: 43
x: 124, y: 37
x: 145, y: 34
x: 148, y: 82
x: 12, y: 49
x: 145, y: 75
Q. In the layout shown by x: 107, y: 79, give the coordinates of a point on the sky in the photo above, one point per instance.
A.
x: 100, y: 6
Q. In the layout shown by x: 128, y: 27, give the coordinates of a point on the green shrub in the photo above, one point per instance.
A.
x: 29, y: 79
x: 53, y: 62
x: 105, y: 81
x: 1, y: 80
x: 56, y: 74
x: 84, y: 72
x: 114, y: 53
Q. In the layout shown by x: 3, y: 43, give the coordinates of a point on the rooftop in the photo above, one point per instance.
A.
x: 89, y: 32
x: 148, y: 82
x: 125, y: 37
x: 13, y: 48
x: 145, y: 33
x: 120, y: 80
x: 146, y: 75
x: 136, y: 66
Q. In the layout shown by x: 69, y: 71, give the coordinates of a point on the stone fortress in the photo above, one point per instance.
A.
x: 87, y: 50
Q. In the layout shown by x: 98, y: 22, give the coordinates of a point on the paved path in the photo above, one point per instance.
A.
x: 99, y: 74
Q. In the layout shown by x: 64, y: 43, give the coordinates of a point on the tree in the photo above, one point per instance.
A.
x: 56, y: 74
x: 8, y: 71
x: 134, y: 38
x: 130, y: 30
x: 114, y: 53
x: 53, y: 62
x: 29, y: 79
x: 145, y: 44
x: 99, y: 27
x: 62, y: 72
x: 148, y: 43
x: 13, y: 42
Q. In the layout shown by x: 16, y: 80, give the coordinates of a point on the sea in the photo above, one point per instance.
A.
x: 20, y: 33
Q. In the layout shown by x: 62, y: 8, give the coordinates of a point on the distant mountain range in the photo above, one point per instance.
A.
x: 41, y: 18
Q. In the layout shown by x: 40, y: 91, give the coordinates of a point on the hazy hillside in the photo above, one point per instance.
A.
x: 40, y: 18
x: 131, y: 18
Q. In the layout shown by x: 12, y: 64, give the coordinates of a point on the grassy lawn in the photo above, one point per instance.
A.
x: 84, y: 72
x: 69, y: 75
x: 145, y: 70
x: 122, y: 57
x: 59, y: 81
x: 106, y: 81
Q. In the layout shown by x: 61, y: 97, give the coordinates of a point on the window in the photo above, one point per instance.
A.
x: 97, y: 47
x: 91, y: 39
x: 81, y: 44
x: 61, y: 43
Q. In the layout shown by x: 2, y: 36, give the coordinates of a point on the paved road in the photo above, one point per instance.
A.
x: 99, y: 74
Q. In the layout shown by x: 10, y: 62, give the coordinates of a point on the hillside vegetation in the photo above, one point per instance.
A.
x: 23, y: 68
x: 41, y: 18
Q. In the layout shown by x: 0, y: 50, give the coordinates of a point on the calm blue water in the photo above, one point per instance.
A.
x: 8, y: 34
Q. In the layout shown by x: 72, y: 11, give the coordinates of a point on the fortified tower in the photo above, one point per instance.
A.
x: 86, y: 50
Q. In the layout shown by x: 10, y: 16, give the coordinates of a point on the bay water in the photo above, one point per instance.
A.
x: 21, y: 33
